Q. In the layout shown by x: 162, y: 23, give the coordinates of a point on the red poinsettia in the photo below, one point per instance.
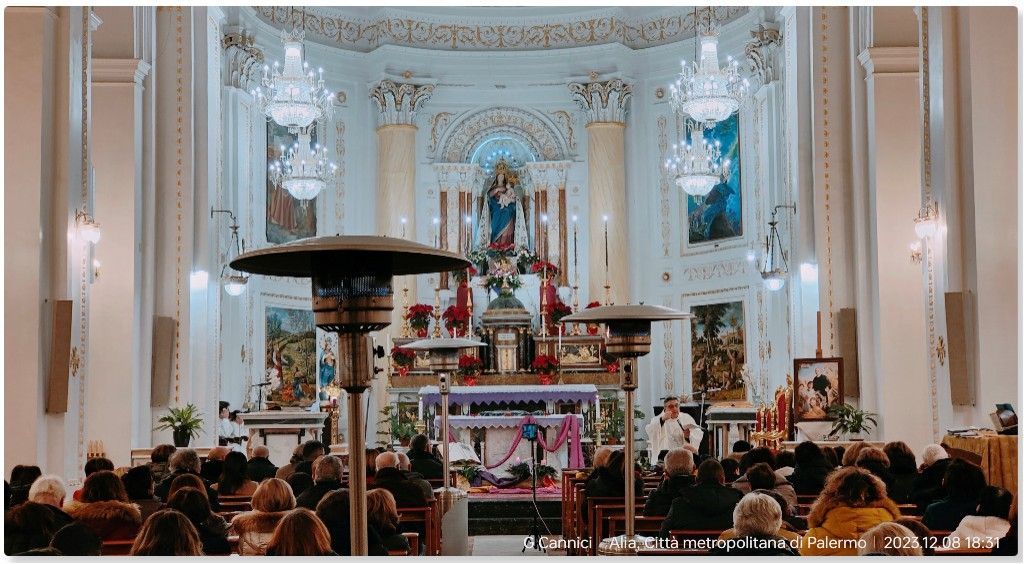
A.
x: 403, y: 359
x: 501, y: 248
x: 558, y: 311
x: 456, y: 319
x: 593, y: 304
x: 545, y: 363
x: 612, y: 367
x: 419, y: 316
x: 542, y: 267
x: 470, y: 365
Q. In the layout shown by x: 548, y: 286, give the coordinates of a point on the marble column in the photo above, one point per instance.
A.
x: 896, y: 316
x: 116, y: 321
x: 605, y: 105
x: 397, y: 104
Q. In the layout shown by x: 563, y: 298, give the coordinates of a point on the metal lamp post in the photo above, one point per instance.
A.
x: 629, y: 338
x: 352, y: 296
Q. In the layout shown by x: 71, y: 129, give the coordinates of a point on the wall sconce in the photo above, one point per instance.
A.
x: 95, y: 269
x: 916, y: 254
x: 88, y: 229
x: 926, y: 224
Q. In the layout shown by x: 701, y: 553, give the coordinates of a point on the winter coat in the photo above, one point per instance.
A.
x: 110, y: 520
x: 946, y: 514
x: 985, y: 529
x: 782, y: 487
x: 417, y: 478
x: 604, y: 482
x: 842, y: 525
x: 260, y: 469
x: 757, y: 545
x: 147, y: 506
x: 927, y: 486
x: 660, y: 500
x: 312, y: 496
x: 706, y: 506
x: 407, y: 493
x: 809, y: 480
x: 21, y: 536
x: 165, y: 486
x: 901, y: 487
x: 255, y: 529
x: 425, y: 464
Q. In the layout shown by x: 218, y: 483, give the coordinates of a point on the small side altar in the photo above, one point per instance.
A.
x: 281, y: 430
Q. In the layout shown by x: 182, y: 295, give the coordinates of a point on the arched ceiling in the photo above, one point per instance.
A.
x: 494, y: 28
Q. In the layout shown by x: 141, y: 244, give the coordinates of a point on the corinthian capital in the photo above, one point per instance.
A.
x: 244, y: 60
x: 397, y: 102
x: 602, y: 101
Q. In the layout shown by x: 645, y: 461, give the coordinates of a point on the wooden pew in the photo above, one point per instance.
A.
x: 235, y: 503
x: 607, y: 505
x: 642, y: 525
x: 429, y: 517
x: 116, y: 547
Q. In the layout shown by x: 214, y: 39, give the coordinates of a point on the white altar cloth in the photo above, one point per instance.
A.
x: 501, y: 433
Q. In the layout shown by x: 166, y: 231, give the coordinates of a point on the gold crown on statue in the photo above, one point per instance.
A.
x: 503, y: 168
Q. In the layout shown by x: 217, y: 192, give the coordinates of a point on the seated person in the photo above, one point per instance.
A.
x: 989, y: 521
x: 927, y: 486
x: 790, y: 523
x: 610, y: 480
x: 761, y: 477
x: 92, y: 465
x: 889, y: 539
x: 422, y: 461
x: 406, y: 493
x: 211, y: 468
x: 259, y: 466
x: 105, y: 507
x: 707, y: 505
x: 415, y: 477
x: 234, y: 477
x: 186, y: 461
x: 382, y: 515
x: 757, y: 520
x: 326, y: 478
x: 678, y: 476
x: 811, y: 469
x: 903, y: 467
x: 731, y: 467
x: 963, y: 483
x: 158, y: 461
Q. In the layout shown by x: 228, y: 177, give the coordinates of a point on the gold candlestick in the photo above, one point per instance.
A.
x: 544, y: 305
x: 405, y: 312
x: 575, y: 307
x: 469, y: 305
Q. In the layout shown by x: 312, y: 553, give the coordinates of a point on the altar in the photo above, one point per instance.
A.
x: 282, y: 430
x: 496, y: 431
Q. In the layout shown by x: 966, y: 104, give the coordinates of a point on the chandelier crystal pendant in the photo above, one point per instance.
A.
x: 706, y: 91
x: 303, y: 170
x: 698, y: 166
x: 293, y: 95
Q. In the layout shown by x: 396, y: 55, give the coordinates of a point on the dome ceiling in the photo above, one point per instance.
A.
x: 494, y: 29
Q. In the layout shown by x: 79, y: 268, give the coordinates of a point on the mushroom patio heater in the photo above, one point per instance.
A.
x: 628, y: 338
x: 352, y: 296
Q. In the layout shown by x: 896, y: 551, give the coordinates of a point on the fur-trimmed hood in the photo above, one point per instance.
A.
x: 105, y: 511
x: 257, y: 521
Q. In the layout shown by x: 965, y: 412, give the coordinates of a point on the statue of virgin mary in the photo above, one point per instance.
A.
x: 502, y: 220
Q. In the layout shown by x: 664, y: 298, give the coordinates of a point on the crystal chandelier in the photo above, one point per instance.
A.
x: 704, y: 90
x: 294, y: 96
x: 303, y: 170
x: 698, y: 166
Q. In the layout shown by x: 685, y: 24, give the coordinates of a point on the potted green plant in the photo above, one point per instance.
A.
x: 850, y: 421
x: 615, y: 429
x: 185, y: 422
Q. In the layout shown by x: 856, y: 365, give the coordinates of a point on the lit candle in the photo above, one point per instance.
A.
x: 469, y: 233
x: 544, y: 223
x: 403, y: 227
x: 437, y: 232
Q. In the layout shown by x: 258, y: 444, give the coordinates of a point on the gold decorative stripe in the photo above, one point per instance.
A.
x: 928, y: 196
x: 827, y: 164
x: 180, y: 93
x: 83, y: 283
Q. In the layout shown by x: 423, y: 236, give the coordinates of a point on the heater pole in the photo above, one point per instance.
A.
x: 357, y: 473
x: 628, y: 473
x: 444, y: 438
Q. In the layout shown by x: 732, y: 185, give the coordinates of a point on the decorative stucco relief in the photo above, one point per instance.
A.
x: 461, y: 138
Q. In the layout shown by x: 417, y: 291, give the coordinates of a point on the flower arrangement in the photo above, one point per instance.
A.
x: 456, y: 320
x: 544, y: 364
x: 543, y: 267
x: 403, y: 359
x: 419, y: 318
x: 593, y: 328
x: 520, y: 256
x: 558, y: 311
x: 522, y: 471
x: 469, y: 368
x: 612, y: 367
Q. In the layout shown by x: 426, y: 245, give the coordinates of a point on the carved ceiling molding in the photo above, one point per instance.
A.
x: 459, y: 141
x: 397, y: 26
x: 715, y: 270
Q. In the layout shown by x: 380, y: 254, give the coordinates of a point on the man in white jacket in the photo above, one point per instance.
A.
x: 672, y: 429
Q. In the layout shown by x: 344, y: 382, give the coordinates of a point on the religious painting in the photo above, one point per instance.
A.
x: 719, y: 214
x: 327, y: 362
x: 718, y: 347
x: 817, y: 386
x: 288, y: 218
x: 291, y: 357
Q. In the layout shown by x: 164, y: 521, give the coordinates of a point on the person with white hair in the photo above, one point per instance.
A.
x: 390, y: 478
x: 927, y: 486
x: 757, y: 519
x: 48, y: 489
x: 678, y: 476
x: 327, y: 474
x: 259, y: 466
x: 186, y: 461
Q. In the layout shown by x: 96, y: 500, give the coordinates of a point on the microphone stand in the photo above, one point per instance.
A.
x: 532, y: 437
